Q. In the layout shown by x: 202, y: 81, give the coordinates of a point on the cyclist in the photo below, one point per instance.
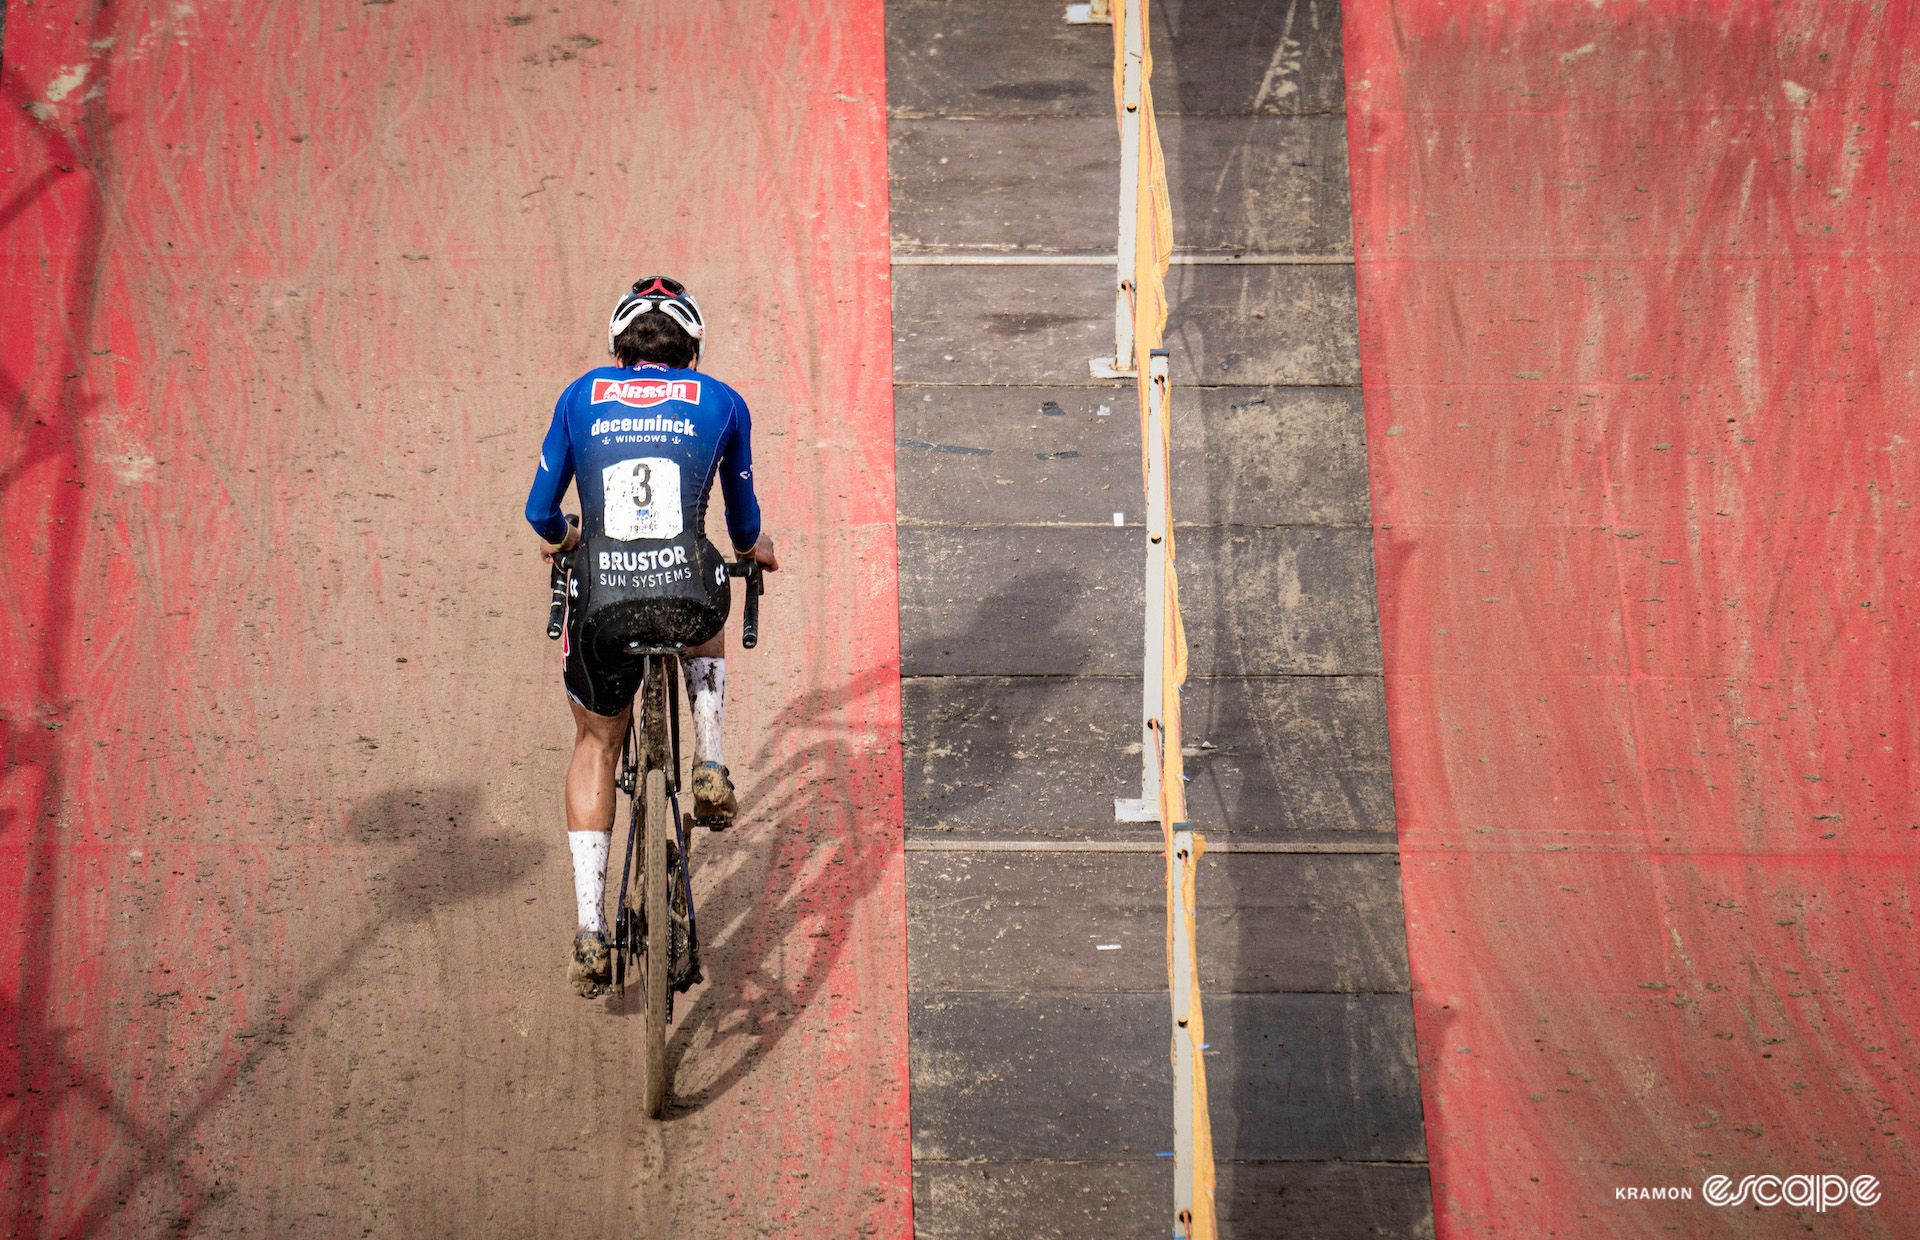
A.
x: 641, y: 441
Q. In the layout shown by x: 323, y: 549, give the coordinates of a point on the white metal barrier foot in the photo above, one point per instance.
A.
x: 1095, y: 14
x: 1103, y: 368
x: 1136, y: 809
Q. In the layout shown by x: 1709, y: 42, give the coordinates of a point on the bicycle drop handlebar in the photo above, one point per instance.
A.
x: 557, y: 609
x: 756, y: 586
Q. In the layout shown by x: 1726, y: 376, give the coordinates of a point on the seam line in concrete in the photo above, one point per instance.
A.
x: 914, y: 114
x: 1191, y: 678
x: 1078, y: 382
x: 1130, y: 525
x: 1152, y: 846
x: 1108, y: 260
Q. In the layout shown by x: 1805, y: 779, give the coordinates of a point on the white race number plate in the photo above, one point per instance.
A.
x: 642, y: 499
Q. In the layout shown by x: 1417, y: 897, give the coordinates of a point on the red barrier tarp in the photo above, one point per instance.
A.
x: 1636, y: 285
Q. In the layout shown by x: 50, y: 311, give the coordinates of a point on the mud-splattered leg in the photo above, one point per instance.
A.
x: 713, y: 799
x: 706, y: 683
x: 590, y: 803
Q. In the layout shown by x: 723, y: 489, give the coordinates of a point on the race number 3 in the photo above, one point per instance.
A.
x: 641, y: 498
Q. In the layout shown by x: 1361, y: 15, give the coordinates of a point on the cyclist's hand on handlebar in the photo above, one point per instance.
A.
x: 763, y: 552
x: 568, y: 543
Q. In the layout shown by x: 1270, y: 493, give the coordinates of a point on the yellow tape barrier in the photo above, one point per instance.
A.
x: 1153, y: 251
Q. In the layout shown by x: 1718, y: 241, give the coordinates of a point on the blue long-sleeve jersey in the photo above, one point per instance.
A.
x: 643, y: 446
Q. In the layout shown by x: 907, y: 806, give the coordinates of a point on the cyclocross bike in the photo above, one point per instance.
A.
x: 654, y: 929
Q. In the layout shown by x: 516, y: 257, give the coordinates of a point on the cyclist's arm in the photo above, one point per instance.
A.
x: 550, y: 483
x: 736, y: 483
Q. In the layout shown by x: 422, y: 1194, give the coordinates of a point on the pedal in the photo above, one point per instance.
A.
x: 711, y: 824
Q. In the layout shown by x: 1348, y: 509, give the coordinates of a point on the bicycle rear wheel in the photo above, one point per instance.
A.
x: 657, y: 823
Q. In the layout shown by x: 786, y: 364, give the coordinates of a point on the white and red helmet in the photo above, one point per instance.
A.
x: 663, y: 294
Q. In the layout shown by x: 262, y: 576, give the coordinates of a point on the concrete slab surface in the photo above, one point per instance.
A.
x: 1262, y: 184
x: 1053, y: 921
x: 989, y: 57
x: 1047, y: 754
x: 1228, y: 325
x: 1241, y: 456
x: 1078, y: 1075
x: 1051, y: 600
x: 1124, y: 1201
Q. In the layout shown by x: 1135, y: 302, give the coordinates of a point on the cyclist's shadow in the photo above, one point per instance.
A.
x: 424, y: 848
x: 816, y: 836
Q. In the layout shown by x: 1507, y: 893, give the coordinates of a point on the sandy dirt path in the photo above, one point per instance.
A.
x: 290, y: 290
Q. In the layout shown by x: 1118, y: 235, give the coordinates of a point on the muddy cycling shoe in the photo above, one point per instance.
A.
x: 591, y: 970
x: 713, y: 801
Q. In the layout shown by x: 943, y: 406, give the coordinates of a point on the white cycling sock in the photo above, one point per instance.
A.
x: 706, y: 683
x: 590, y: 849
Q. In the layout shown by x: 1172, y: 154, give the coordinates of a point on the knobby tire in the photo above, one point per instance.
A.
x: 659, y: 923
x: 657, y: 825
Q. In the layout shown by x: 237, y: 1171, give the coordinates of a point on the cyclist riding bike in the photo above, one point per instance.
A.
x: 641, y: 441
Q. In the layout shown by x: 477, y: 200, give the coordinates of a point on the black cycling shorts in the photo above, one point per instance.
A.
x: 666, y: 594
x: 602, y: 688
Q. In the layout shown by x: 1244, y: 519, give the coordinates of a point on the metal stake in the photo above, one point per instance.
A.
x: 1153, y: 670
x: 1123, y: 363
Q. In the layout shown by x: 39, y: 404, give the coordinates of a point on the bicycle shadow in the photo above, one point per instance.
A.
x: 430, y: 850
x: 801, y: 860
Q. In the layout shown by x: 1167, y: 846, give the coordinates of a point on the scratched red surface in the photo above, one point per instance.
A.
x: 1637, y: 294
x: 288, y: 292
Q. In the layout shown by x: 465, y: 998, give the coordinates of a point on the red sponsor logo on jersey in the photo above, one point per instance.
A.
x: 645, y: 393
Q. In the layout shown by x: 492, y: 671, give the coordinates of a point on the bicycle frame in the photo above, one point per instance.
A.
x: 634, y: 761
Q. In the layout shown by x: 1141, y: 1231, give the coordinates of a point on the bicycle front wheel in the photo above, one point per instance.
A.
x: 658, y: 920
